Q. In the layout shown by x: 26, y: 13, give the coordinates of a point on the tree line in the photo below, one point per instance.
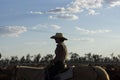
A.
x: 75, y: 58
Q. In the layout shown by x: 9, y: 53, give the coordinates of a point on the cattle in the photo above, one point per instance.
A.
x: 6, y: 74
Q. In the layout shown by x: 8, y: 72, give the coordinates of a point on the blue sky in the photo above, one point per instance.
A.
x: 90, y: 26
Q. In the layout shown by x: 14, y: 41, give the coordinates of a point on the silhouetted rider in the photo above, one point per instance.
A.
x: 58, y: 63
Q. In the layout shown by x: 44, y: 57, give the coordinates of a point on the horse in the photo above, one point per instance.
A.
x: 73, y: 73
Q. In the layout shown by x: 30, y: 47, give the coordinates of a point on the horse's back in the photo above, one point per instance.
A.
x: 90, y: 73
x: 83, y: 73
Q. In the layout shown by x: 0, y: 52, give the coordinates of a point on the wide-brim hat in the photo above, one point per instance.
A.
x: 59, y: 36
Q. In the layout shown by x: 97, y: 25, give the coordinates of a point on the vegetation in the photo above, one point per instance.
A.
x: 75, y: 59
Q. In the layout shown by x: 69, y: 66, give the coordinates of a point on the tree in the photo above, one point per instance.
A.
x: 96, y: 57
x: 118, y: 57
x: 47, y: 58
x: 37, y: 58
x: 22, y: 60
x: 115, y: 59
x: 112, y: 55
x: 74, y: 57
x: 88, y: 57
x: 82, y: 59
x: 0, y: 55
x: 28, y: 58
x: 107, y: 60
x: 14, y: 59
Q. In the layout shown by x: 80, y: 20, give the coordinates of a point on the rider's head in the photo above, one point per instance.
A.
x: 58, y: 37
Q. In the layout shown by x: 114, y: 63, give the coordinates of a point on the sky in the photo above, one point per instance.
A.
x: 89, y: 25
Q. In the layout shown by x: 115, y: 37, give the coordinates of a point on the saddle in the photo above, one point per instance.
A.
x: 64, y: 69
x: 66, y: 74
x: 63, y: 74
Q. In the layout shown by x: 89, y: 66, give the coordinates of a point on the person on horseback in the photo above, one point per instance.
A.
x: 58, y: 63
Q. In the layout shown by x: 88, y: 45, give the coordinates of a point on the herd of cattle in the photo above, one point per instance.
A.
x: 112, y: 70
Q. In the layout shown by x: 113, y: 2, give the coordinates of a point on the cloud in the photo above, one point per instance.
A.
x: 40, y: 26
x: 12, y: 31
x: 46, y: 26
x: 70, y: 9
x: 58, y: 10
x: 112, y: 3
x: 85, y: 39
x: 64, y: 16
x: 82, y: 5
x: 78, y: 6
x: 55, y: 27
x: 86, y: 31
x: 32, y: 12
x: 92, y: 12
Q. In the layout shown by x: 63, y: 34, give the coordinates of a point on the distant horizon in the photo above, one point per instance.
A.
x: 90, y: 26
x: 81, y: 55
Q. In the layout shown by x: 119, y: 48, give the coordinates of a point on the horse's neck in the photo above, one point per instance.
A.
x: 30, y: 73
x: 30, y: 67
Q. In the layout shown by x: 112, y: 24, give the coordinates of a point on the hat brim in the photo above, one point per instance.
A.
x: 54, y: 37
